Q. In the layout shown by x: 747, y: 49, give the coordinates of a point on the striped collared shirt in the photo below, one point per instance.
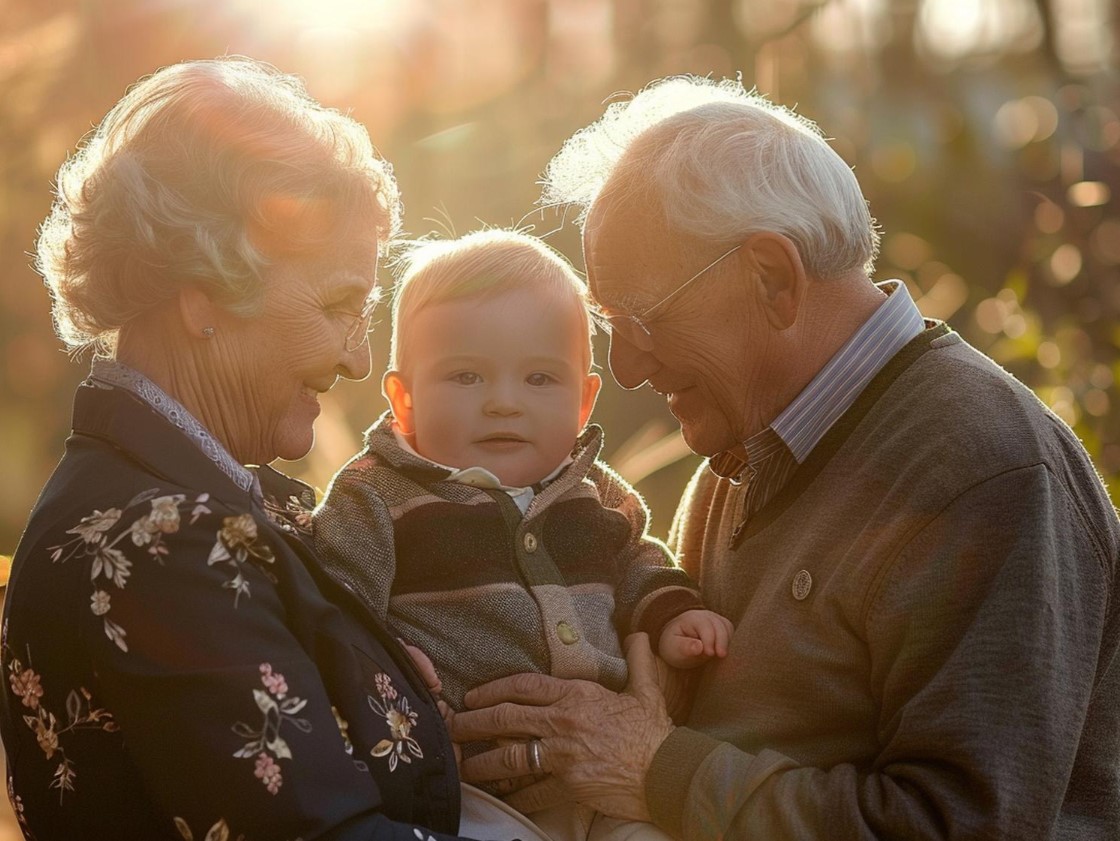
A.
x: 836, y: 386
x: 772, y: 454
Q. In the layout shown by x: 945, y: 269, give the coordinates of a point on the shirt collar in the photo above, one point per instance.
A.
x: 480, y: 477
x: 836, y: 386
x: 732, y: 464
x: 114, y: 373
x: 803, y: 423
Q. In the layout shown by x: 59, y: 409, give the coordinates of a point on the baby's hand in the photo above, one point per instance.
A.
x: 693, y: 638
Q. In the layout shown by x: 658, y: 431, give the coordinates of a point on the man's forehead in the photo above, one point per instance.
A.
x: 627, y: 249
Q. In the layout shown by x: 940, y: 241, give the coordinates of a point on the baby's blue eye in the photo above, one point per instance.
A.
x: 466, y: 378
x: 540, y: 379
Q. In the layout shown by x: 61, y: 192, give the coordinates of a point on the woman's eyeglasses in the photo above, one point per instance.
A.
x: 634, y: 328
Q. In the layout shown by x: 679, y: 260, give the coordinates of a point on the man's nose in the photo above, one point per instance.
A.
x: 630, y: 366
x: 355, y: 364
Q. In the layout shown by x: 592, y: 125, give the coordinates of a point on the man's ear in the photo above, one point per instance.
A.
x: 199, y: 314
x: 591, y: 385
x: 397, y: 392
x: 780, y: 277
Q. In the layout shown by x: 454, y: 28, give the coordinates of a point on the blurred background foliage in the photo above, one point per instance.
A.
x: 986, y: 134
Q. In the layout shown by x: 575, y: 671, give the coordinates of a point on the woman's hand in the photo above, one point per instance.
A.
x: 427, y: 670
x: 424, y: 666
x: 597, y: 743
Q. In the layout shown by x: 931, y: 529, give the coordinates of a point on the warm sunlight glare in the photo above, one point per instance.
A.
x: 953, y: 29
x: 344, y: 14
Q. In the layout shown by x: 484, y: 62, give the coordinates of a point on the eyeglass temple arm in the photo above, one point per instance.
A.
x: 685, y: 285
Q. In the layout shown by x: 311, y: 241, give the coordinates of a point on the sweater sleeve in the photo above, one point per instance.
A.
x: 651, y: 587
x: 983, y: 635
x: 353, y: 530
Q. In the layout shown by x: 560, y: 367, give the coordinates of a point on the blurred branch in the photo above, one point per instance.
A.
x: 648, y: 450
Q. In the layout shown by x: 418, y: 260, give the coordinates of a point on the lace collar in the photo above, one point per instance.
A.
x: 113, y: 373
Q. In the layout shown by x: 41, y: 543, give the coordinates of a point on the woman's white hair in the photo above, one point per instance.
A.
x: 204, y: 173
x: 722, y: 163
x: 479, y: 265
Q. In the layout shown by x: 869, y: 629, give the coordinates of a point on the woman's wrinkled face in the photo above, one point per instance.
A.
x: 295, y: 349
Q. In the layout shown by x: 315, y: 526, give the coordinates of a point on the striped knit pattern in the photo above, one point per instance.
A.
x: 487, y: 592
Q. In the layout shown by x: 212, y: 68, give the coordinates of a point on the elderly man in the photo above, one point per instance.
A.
x: 918, y: 557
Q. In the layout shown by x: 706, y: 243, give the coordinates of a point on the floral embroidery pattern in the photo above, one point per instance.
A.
x: 26, y: 685
x: 347, y: 745
x: 344, y: 730
x: 109, y: 565
x: 236, y: 545
x: 268, y: 772
x: 17, y: 807
x: 400, y: 718
x: 218, y: 832
x: 266, y: 745
x: 293, y: 514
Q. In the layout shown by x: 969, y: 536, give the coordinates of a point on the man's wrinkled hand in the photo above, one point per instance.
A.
x: 597, y: 743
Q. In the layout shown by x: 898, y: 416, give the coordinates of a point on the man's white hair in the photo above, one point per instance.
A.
x: 722, y: 163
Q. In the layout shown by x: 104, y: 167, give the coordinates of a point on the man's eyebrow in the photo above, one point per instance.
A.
x: 625, y: 304
x: 352, y: 284
x: 622, y: 304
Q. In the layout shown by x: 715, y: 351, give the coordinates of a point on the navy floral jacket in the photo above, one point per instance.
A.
x: 177, y: 665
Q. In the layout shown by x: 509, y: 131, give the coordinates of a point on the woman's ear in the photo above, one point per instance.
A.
x: 780, y: 277
x: 198, y: 312
x: 591, y: 385
x: 397, y: 392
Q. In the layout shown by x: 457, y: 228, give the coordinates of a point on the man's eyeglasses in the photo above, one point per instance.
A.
x: 633, y: 328
x: 360, y: 328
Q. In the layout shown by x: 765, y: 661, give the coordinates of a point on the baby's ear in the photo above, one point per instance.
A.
x: 591, y: 385
x: 397, y: 392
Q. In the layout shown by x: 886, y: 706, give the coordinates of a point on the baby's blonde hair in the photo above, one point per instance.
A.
x: 482, y: 264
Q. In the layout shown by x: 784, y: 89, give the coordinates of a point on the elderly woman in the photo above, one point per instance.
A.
x: 178, y: 665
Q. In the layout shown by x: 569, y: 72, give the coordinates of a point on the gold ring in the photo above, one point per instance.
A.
x: 535, y: 767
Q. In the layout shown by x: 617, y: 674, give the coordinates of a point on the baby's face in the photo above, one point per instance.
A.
x: 500, y: 383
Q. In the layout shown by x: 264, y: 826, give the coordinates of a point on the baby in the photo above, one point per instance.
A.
x: 478, y: 519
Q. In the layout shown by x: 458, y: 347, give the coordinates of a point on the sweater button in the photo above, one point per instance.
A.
x: 530, y: 543
x: 568, y: 635
x: 802, y: 584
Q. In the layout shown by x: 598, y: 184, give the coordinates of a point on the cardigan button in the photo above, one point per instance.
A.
x: 530, y: 543
x: 802, y: 584
x: 568, y: 635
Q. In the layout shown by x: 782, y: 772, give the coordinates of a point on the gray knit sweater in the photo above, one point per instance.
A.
x: 926, y: 629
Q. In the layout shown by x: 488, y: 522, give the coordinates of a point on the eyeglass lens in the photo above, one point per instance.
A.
x: 631, y: 331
